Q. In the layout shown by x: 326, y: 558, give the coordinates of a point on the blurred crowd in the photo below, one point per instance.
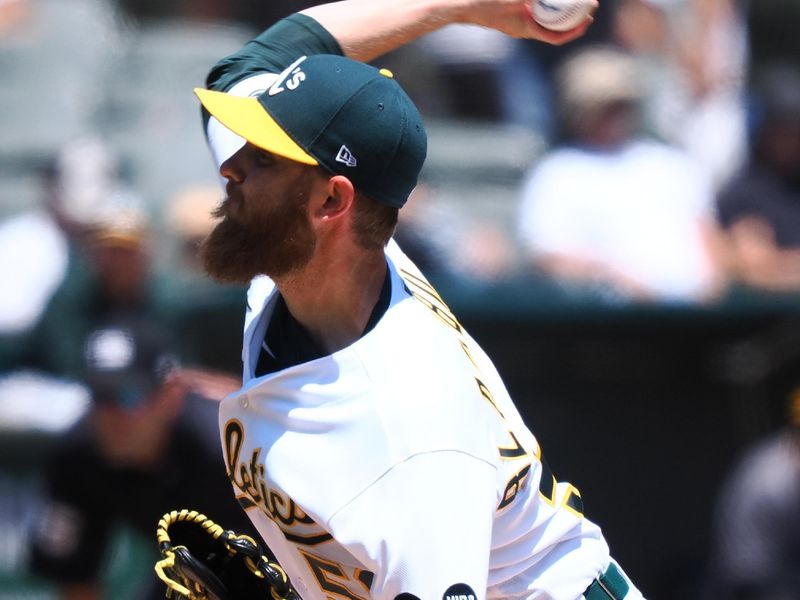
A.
x: 653, y: 160
x: 656, y: 160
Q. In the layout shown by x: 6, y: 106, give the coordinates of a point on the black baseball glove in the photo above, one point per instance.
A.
x: 201, y: 561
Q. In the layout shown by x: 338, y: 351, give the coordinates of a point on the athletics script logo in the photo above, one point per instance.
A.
x: 248, y: 474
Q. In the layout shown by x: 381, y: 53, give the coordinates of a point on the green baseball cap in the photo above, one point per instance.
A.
x: 346, y: 116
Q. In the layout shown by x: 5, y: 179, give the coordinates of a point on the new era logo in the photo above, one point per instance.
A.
x: 346, y: 157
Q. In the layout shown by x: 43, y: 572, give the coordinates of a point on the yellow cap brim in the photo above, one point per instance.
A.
x: 246, y: 117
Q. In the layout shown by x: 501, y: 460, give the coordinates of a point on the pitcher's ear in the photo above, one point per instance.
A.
x: 340, y: 197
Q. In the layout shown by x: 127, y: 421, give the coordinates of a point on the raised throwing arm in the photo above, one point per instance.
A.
x: 366, y: 29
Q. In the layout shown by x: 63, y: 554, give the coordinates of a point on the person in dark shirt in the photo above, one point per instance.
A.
x: 755, y: 553
x: 148, y: 445
x: 760, y: 208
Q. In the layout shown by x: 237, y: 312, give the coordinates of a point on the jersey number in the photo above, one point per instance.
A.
x: 331, y: 577
x: 424, y: 292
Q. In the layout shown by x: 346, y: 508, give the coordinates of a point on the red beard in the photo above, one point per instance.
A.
x: 275, y: 244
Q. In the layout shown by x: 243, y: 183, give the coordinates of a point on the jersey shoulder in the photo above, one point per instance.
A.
x: 343, y: 421
x: 426, y: 376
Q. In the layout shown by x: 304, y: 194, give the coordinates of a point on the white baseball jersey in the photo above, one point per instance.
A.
x: 400, y: 465
x: 397, y: 467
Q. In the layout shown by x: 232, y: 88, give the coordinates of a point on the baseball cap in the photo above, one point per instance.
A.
x: 123, y: 363
x: 350, y: 118
x: 597, y: 76
x: 121, y: 221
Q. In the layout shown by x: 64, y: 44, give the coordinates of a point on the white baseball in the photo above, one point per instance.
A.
x: 560, y: 15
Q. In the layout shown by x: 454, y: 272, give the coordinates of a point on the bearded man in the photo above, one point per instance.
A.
x: 373, y: 443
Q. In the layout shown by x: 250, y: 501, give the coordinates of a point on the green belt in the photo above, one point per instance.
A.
x: 610, y: 585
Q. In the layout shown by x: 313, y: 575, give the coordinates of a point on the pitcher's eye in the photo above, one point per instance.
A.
x: 263, y: 158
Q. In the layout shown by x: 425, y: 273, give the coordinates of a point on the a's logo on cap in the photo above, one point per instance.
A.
x: 346, y: 157
x: 292, y: 76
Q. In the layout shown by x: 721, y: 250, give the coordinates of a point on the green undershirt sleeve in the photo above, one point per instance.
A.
x: 273, y: 50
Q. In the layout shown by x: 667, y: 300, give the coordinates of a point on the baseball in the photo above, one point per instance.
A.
x: 560, y: 15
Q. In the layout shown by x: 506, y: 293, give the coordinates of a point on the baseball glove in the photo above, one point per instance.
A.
x: 201, y: 561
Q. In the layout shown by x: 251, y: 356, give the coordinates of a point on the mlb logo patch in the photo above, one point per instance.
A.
x: 459, y: 591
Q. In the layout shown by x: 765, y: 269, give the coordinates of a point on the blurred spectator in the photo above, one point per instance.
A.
x: 527, y: 76
x: 448, y: 247
x: 189, y: 221
x: 147, y: 446
x: 33, y: 262
x: 760, y: 209
x: 202, y: 314
x: 251, y: 12
x: 415, y: 234
x: 119, y: 245
x: 466, y: 62
x: 114, y: 279
x: 694, y: 61
x: 756, y: 537
x: 37, y: 245
x: 91, y: 254
x: 611, y: 212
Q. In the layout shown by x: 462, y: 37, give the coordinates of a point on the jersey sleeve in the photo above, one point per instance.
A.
x: 292, y: 37
x: 428, y: 524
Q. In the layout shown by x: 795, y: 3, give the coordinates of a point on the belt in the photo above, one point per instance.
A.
x: 611, y: 585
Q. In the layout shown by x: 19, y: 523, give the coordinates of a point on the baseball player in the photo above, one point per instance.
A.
x: 373, y: 443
